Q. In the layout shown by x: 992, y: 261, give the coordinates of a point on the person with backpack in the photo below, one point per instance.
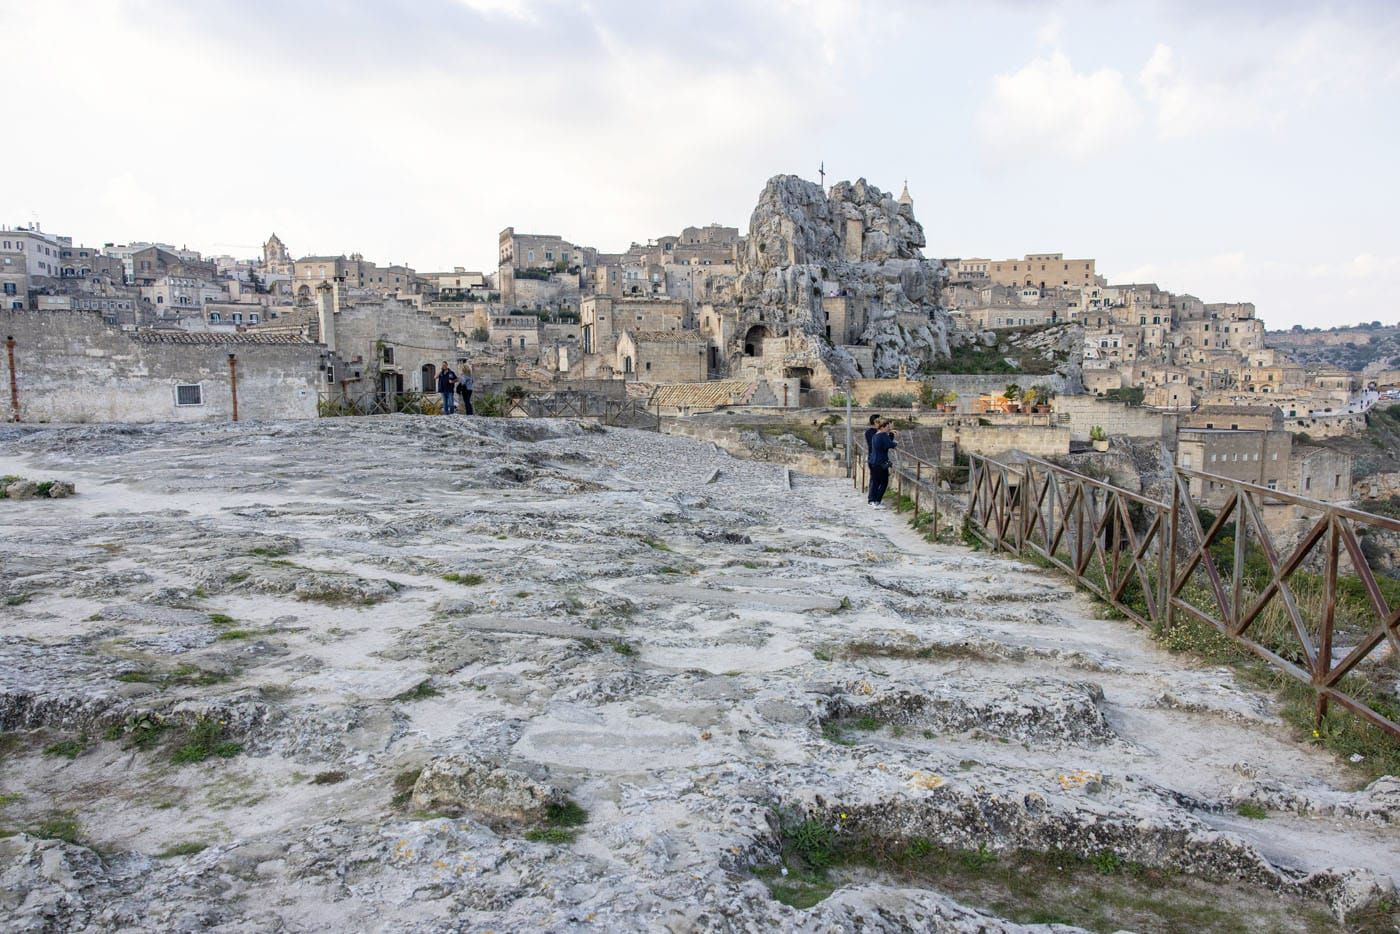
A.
x: 447, y: 386
x: 881, y: 444
x: 465, y: 384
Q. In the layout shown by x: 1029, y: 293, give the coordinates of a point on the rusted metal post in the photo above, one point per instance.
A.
x: 14, y: 379
x: 233, y: 382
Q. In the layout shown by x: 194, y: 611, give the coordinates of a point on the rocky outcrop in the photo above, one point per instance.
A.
x: 496, y: 796
x: 854, y: 244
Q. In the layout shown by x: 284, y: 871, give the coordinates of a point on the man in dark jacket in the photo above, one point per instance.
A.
x: 870, y: 432
x: 447, y: 387
x: 880, y: 446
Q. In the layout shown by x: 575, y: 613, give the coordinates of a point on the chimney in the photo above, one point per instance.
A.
x: 326, y: 300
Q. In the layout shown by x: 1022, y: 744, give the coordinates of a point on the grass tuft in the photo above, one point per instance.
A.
x: 67, y: 748
x: 467, y: 580
x: 188, y: 848
x: 1251, y: 810
x: 205, y: 740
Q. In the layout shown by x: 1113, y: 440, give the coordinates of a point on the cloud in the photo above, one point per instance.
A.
x: 1048, y: 106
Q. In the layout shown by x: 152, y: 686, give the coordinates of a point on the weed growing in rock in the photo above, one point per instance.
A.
x: 550, y: 835
x: 17, y: 599
x: 58, y: 825
x: 831, y: 732
x: 221, y: 619
x: 866, y: 723
x: 67, y: 748
x: 822, y: 654
x: 656, y: 543
x: 467, y: 580
x: 421, y: 691
x: 231, y: 635
x: 403, y: 787
x: 1251, y: 810
x: 622, y: 648
x: 329, y: 778
x: 143, y: 731
x: 238, y: 577
x: 561, y: 820
x: 205, y: 739
x: 521, y: 594
x: 136, y: 677
x: 269, y: 551
x: 1106, y: 862
x: 188, y: 848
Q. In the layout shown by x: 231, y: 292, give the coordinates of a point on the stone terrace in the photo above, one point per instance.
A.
x: 567, y: 611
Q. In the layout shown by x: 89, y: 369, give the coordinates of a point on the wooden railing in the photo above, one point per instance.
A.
x: 912, y: 477
x: 631, y: 413
x: 1157, y: 562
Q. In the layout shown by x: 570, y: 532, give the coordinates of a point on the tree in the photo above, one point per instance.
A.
x: 1013, y: 392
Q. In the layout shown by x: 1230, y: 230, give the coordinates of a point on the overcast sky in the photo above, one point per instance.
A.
x: 1238, y: 151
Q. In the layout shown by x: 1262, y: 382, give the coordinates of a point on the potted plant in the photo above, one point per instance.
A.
x: 1099, y: 437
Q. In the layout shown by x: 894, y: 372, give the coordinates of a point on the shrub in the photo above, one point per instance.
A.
x: 892, y: 400
x: 489, y: 405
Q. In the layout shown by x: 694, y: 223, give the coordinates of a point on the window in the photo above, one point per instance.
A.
x: 388, y: 355
x: 330, y: 374
x: 189, y: 394
x: 1307, y: 483
x: 10, y: 288
x: 215, y: 317
x: 1336, y: 481
x: 1273, y: 484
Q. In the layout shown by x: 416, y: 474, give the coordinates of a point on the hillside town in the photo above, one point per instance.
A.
x: 825, y: 296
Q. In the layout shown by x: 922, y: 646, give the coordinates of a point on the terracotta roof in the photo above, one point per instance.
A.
x: 192, y: 337
x: 705, y: 395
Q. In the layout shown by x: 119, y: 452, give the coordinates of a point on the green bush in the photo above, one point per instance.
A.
x: 892, y: 400
x: 490, y: 405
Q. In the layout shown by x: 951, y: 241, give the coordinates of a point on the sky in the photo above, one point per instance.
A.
x: 1238, y: 151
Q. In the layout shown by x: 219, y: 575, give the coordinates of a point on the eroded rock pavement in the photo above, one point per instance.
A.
x: 453, y: 674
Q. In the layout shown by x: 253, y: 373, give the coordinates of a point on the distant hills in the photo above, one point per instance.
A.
x: 1359, y: 348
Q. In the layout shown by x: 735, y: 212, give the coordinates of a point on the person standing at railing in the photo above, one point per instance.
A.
x: 881, y: 444
x: 870, y: 432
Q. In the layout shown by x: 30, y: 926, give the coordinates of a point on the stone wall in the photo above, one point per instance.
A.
x: 1327, y: 426
x: 1115, y: 418
x: 72, y: 367
x: 1036, y: 440
x: 864, y: 390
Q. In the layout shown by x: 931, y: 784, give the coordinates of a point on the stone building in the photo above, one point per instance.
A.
x: 1251, y: 456
x: 147, y: 376
x: 40, y: 253
x: 1235, y: 417
x: 1321, y: 473
x: 151, y: 264
x: 541, y: 270
x: 1264, y: 457
x: 602, y: 319
x: 1043, y: 270
x: 661, y: 356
